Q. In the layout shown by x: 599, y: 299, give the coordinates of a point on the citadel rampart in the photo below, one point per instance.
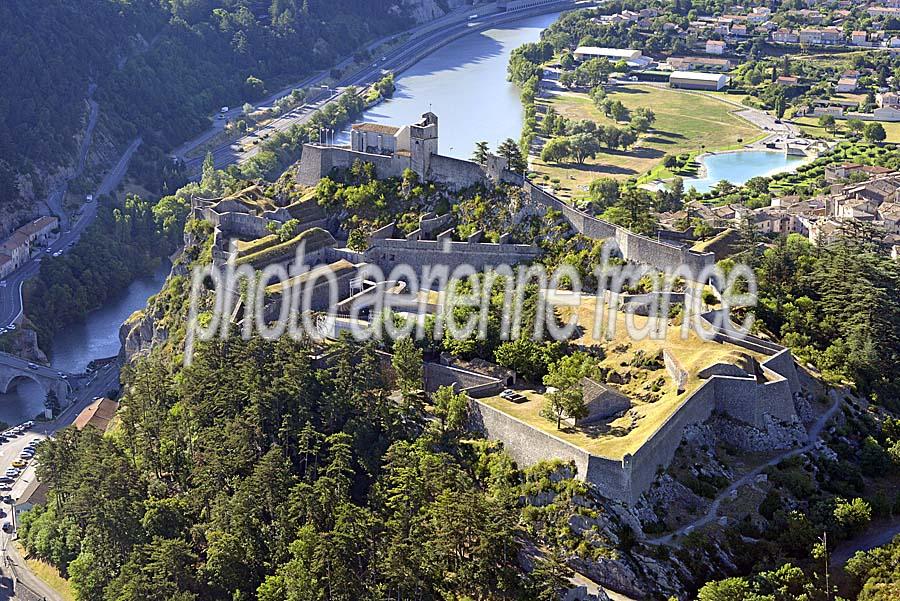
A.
x: 744, y: 398
x: 632, y: 247
x: 387, y: 252
x: 318, y: 161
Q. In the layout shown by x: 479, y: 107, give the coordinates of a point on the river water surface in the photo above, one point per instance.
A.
x: 463, y: 83
x: 77, y: 345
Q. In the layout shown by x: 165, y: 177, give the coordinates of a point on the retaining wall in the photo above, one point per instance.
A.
x: 317, y: 162
x: 525, y: 444
x: 659, y: 449
x: 743, y: 398
x: 473, y: 383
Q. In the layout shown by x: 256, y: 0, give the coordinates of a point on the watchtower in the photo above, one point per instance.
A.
x: 423, y: 142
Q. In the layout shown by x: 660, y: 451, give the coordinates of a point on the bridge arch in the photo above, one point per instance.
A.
x: 8, y: 381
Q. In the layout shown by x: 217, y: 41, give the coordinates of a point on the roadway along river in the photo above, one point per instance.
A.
x: 464, y: 83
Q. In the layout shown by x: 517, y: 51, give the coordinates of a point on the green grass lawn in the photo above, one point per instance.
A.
x: 685, y: 123
x: 810, y: 127
x: 49, y: 575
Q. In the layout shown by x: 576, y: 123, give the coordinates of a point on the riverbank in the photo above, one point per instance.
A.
x: 243, y: 150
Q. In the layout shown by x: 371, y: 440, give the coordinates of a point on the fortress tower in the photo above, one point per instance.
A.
x: 423, y: 143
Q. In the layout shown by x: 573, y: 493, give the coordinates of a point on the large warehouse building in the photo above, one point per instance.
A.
x: 694, y: 80
x: 634, y: 58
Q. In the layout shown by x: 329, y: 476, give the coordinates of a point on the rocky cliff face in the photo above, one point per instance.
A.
x: 423, y: 11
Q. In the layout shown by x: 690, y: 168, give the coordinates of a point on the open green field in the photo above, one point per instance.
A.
x: 810, y: 127
x: 685, y: 122
x: 652, y: 391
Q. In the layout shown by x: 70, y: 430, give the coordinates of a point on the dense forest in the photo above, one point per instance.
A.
x: 125, y: 241
x: 160, y: 68
x: 258, y: 474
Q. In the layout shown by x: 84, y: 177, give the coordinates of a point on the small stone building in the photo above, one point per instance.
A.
x: 601, y: 401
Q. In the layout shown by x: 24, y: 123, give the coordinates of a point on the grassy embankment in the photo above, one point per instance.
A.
x: 810, y: 127
x: 685, y: 124
x: 49, y: 576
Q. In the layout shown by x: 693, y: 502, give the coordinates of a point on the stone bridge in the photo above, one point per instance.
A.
x: 13, y: 368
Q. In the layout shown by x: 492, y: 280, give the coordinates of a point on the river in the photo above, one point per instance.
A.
x: 464, y: 84
x: 76, y: 346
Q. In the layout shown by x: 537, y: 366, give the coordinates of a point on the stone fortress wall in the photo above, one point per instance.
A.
x: 387, y: 251
x: 747, y: 398
x: 744, y: 398
x: 318, y: 161
x: 633, y: 247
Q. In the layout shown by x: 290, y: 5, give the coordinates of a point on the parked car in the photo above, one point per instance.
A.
x: 7, y: 499
x: 7, y: 527
x: 20, y: 463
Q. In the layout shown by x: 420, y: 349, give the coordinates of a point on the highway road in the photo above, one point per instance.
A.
x: 421, y: 41
x: 316, y: 79
x: 11, y: 288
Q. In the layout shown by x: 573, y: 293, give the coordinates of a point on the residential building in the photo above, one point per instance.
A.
x: 846, y: 85
x: 17, y: 248
x: 98, y: 414
x: 888, y: 216
x: 785, y: 36
x: 887, y: 99
x: 715, y: 47
x: 883, y: 11
x: 824, y: 36
x: 39, y: 231
x: 858, y: 38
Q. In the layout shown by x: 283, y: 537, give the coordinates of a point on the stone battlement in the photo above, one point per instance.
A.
x: 386, y: 251
x: 753, y: 400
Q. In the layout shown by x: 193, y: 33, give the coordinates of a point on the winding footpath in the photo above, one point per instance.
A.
x: 712, y: 512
